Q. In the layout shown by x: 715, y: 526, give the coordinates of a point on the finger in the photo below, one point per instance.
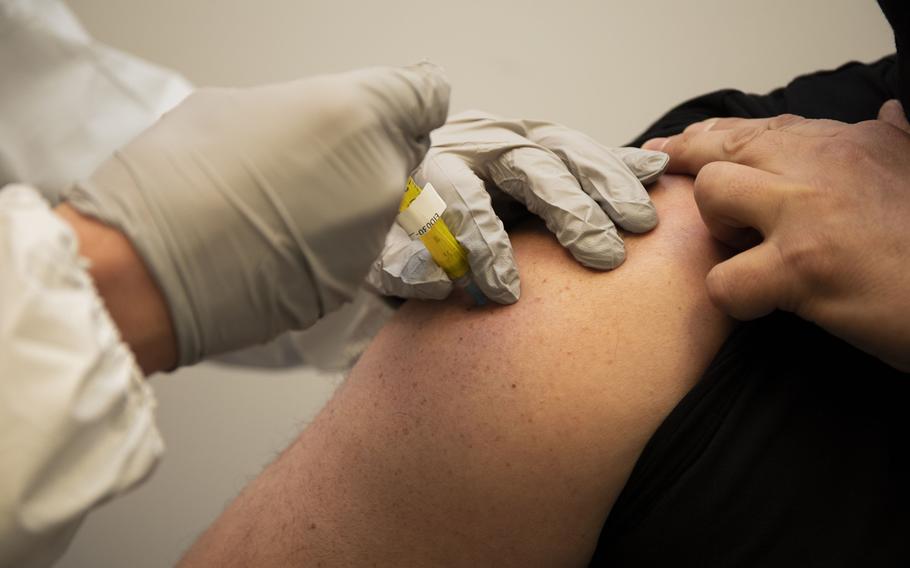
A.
x: 646, y: 165
x: 791, y: 123
x: 610, y: 182
x: 752, y: 283
x: 655, y: 144
x: 540, y: 180
x: 406, y: 270
x: 606, y: 177
x: 753, y: 146
x: 469, y: 214
x: 732, y: 198
x: 702, y: 125
x: 892, y: 112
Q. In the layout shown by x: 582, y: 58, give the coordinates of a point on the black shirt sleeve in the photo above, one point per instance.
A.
x: 851, y: 93
x: 898, y: 14
x: 791, y: 451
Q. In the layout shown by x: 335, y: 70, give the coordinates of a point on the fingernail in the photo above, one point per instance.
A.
x: 654, y: 144
x: 702, y: 126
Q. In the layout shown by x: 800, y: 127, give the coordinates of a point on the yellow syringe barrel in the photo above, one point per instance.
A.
x: 445, y: 249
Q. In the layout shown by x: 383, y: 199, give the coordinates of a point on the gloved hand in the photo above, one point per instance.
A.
x: 260, y: 210
x: 581, y: 189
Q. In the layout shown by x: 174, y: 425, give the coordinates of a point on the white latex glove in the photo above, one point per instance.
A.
x: 260, y: 210
x: 582, y: 190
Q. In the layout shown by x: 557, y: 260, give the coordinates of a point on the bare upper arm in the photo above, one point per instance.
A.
x: 498, y: 436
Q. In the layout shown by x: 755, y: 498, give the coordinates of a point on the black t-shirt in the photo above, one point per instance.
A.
x: 898, y: 14
x: 794, y: 448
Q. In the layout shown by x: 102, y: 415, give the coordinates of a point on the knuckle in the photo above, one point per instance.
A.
x: 725, y: 123
x: 702, y: 125
x: 677, y: 145
x: 784, y: 121
x: 741, y: 140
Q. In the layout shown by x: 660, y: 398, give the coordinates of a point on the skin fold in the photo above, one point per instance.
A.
x: 496, y: 436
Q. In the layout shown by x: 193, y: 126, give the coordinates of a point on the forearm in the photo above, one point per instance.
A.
x: 130, y: 295
x: 498, y: 436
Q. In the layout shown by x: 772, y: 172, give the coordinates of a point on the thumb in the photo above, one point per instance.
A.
x: 892, y: 112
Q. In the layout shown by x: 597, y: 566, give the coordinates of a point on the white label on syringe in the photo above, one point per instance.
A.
x: 422, y: 213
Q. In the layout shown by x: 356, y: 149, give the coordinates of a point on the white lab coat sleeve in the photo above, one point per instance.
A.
x: 76, y: 416
x: 68, y: 101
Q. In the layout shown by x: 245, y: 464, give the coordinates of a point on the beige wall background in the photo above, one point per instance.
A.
x: 606, y: 67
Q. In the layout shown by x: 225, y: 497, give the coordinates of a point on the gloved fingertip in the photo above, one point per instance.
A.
x: 607, y: 260
x: 426, y: 290
x: 501, y: 293
x: 440, y: 291
x: 408, y: 271
x: 656, y: 163
x: 639, y: 217
x: 647, y: 165
x: 604, y: 252
x: 492, y: 260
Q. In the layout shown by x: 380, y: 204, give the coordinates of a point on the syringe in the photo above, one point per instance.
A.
x: 420, y: 215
